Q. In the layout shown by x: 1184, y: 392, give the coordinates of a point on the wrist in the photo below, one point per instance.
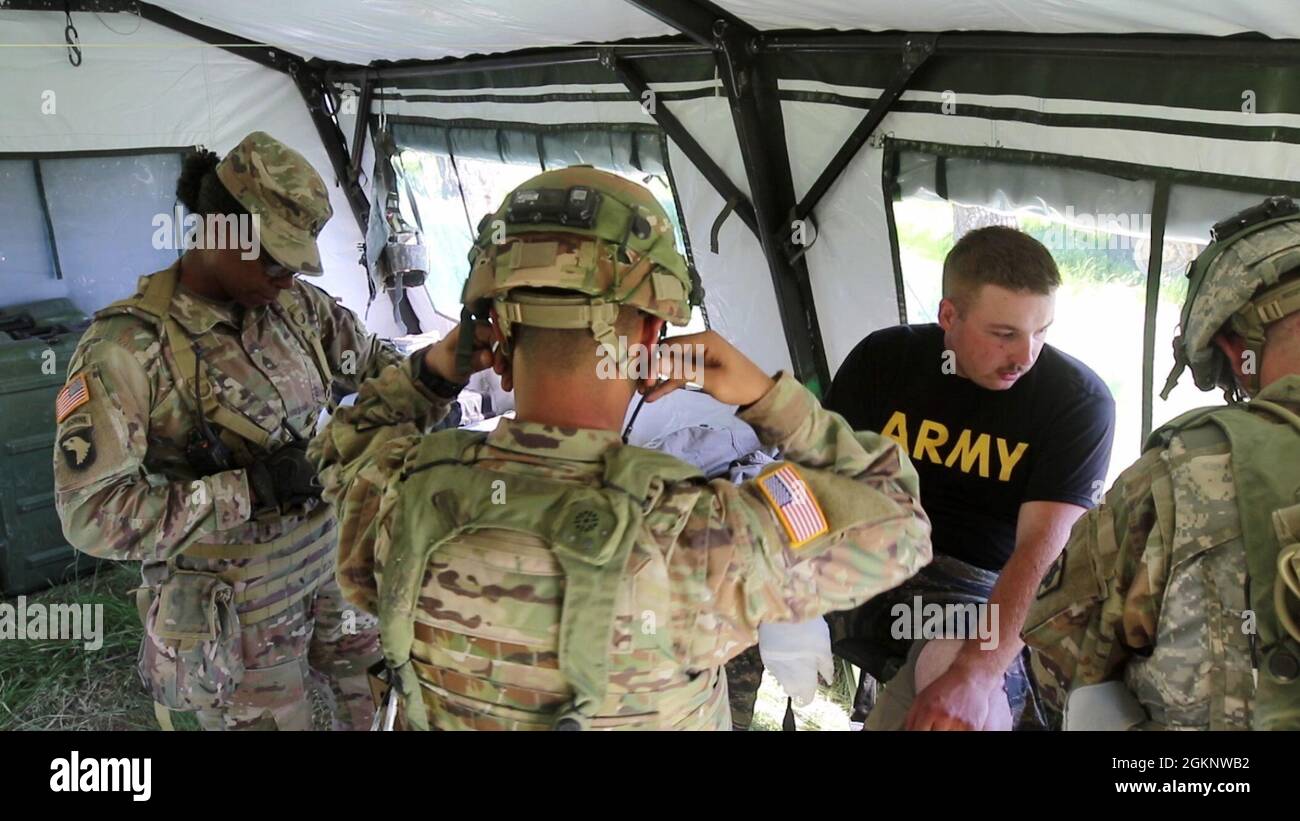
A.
x: 977, y: 665
x: 779, y: 414
x: 432, y: 374
x: 762, y: 388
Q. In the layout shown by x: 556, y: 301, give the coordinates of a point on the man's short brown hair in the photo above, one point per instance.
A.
x: 997, y: 255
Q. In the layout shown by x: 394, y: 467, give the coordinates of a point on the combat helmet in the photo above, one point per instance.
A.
x: 1234, y: 282
x: 594, y: 241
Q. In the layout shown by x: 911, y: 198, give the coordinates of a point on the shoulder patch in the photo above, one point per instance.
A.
x: 78, y: 446
x: 1054, y: 577
x: 794, y: 504
x: 74, y: 394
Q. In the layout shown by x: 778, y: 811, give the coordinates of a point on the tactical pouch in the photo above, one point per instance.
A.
x: 1063, y: 629
x: 1286, y: 524
x: 192, y: 658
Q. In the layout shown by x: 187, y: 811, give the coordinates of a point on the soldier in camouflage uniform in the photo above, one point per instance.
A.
x: 182, y: 444
x: 1183, y: 585
x: 547, y: 575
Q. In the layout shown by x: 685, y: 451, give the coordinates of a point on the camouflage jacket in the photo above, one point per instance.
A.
x: 714, y: 558
x: 1152, y: 587
x: 124, y: 489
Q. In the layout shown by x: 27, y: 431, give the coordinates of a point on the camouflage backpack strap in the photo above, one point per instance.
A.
x: 591, y: 531
x: 187, y: 367
x: 426, y: 526
x: 1265, y: 453
x: 295, y: 317
x: 154, y: 304
x: 593, y: 539
x: 1192, y: 422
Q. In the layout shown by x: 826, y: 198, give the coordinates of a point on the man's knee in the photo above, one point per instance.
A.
x: 926, y: 661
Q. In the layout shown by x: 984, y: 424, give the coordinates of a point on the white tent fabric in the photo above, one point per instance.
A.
x: 163, y: 90
x: 146, y: 86
x: 359, y: 31
x: 850, y: 266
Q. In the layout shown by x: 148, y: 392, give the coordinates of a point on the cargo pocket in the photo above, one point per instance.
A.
x: 191, y: 658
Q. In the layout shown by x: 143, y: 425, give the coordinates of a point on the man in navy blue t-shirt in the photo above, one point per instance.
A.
x: 1011, y: 439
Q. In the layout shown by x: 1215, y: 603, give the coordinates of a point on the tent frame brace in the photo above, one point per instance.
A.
x: 310, y: 81
x: 741, y: 53
x: 760, y: 132
x: 673, y: 127
x: 917, y: 49
x: 60, y: 6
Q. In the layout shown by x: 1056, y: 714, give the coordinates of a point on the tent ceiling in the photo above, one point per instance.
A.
x: 361, y: 31
x: 1276, y: 18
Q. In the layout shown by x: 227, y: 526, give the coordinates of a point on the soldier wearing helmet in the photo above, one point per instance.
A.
x: 182, y: 445
x: 1176, y: 604
x: 546, y: 575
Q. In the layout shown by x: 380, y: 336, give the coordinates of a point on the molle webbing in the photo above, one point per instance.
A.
x: 279, y: 573
x: 1264, y: 459
x: 590, y: 530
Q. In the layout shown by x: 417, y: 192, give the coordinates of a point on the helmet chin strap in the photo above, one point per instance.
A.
x: 627, y: 431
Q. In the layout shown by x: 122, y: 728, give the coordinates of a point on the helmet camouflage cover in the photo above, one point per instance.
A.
x: 604, y: 239
x: 1234, y: 282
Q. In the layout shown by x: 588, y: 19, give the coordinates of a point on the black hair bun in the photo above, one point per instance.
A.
x: 195, y: 167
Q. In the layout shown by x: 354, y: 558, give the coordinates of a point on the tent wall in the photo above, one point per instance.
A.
x: 1226, y: 119
x: 156, y: 89
x: 739, y: 296
x: 1222, y: 123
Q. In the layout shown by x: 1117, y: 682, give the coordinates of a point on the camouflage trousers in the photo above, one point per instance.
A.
x: 322, y: 643
x: 744, y: 675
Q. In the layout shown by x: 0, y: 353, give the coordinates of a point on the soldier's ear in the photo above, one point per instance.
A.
x: 1234, y: 348
x: 651, y: 327
x: 501, y: 363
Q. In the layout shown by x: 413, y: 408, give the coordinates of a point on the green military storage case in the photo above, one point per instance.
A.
x: 36, y: 344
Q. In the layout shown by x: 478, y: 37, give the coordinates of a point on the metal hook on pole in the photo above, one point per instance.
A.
x: 71, y: 36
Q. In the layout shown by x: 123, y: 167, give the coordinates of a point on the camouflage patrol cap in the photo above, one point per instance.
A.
x: 283, y: 190
x: 1234, y: 283
x: 603, y: 238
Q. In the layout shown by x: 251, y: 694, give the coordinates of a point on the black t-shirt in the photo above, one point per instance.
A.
x: 980, y: 453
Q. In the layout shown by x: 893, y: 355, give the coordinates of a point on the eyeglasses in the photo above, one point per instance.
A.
x: 273, y: 269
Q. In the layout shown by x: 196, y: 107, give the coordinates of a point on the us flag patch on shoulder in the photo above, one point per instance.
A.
x: 74, y: 394
x: 794, y: 504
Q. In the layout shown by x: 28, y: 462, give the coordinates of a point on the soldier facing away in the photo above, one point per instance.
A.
x: 1176, y: 603
x: 546, y: 575
x: 182, y: 444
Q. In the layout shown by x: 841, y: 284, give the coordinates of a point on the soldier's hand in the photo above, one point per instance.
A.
x: 286, y: 479
x: 440, y: 357
x: 711, y: 362
x: 955, y: 700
